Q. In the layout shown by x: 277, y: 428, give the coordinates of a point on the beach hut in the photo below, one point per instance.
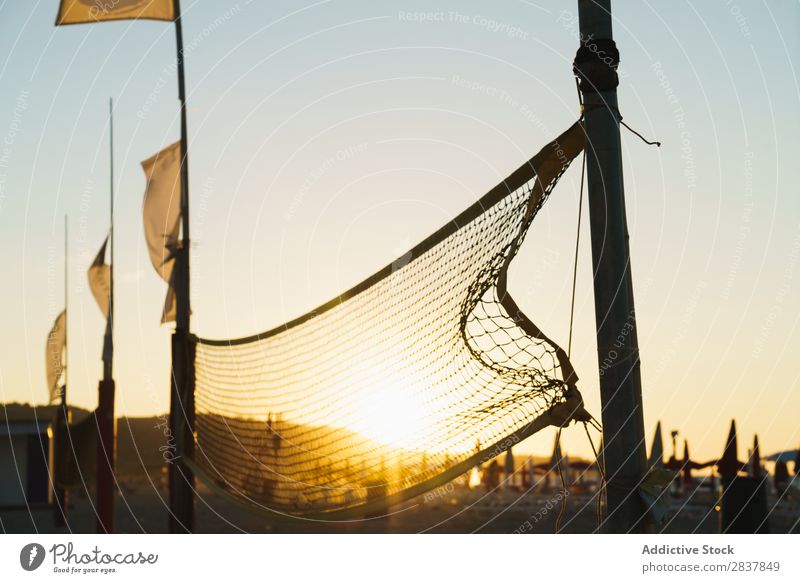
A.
x: 25, y: 460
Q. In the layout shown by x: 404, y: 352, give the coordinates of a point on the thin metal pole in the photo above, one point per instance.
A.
x: 183, y: 304
x: 110, y: 322
x: 62, y: 418
x: 617, y: 343
x: 66, y: 315
x: 181, y: 479
x: 106, y: 393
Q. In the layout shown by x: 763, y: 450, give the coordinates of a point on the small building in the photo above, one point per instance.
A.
x: 26, y: 453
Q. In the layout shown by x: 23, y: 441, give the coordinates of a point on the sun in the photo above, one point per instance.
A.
x: 392, y: 415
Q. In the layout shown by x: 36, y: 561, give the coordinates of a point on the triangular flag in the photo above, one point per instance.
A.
x: 54, y: 355
x: 657, y: 449
x: 161, y: 215
x: 687, y: 464
x: 88, y: 11
x: 99, y: 275
x: 108, y: 343
x: 729, y: 464
x: 755, y: 459
x: 509, y: 462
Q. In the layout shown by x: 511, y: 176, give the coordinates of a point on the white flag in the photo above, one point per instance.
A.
x: 99, y: 275
x: 82, y: 11
x: 162, y: 214
x: 54, y: 355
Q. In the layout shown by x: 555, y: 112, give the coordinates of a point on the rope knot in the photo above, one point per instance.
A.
x: 571, y: 409
x: 596, y: 64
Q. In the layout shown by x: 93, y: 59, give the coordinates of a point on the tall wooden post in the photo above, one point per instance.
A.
x: 106, y: 392
x: 617, y: 344
x: 181, y: 479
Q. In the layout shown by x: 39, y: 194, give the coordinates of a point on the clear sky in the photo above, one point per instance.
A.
x: 326, y: 138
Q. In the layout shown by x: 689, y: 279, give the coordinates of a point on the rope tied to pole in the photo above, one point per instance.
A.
x: 596, y: 64
x: 619, y: 119
x: 601, y: 471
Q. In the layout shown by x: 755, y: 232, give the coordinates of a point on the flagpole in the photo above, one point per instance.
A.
x: 66, y: 315
x: 106, y: 392
x: 109, y: 367
x: 181, y: 479
x: 62, y: 418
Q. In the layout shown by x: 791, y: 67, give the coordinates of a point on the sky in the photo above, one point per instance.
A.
x: 327, y: 138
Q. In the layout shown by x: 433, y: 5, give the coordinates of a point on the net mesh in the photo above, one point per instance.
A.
x: 397, y: 386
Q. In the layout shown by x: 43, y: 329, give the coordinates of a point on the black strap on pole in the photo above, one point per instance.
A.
x: 596, y: 64
x: 182, y: 516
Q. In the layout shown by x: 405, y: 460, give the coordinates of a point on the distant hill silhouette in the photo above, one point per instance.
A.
x: 138, y: 443
x: 143, y: 443
x: 25, y: 412
x: 138, y: 438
